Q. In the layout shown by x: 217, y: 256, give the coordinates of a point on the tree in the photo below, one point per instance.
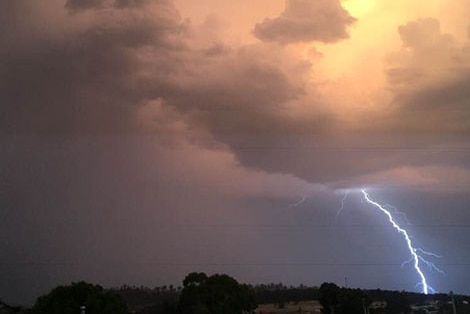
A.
x: 217, y: 294
x: 329, y: 295
x: 352, y: 301
x: 69, y: 299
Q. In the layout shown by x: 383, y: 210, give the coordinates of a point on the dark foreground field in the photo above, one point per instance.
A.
x: 304, y: 307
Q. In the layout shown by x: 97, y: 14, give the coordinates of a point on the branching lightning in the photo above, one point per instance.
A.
x: 391, y: 208
x: 396, y: 219
x: 430, y: 265
x: 416, y: 253
x: 416, y: 259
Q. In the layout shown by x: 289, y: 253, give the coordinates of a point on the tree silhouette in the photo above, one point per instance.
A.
x: 69, y: 299
x: 329, y: 296
x: 217, y: 294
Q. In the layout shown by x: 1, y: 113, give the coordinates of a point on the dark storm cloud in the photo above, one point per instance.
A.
x: 443, y: 107
x: 134, y: 3
x: 305, y: 21
x: 253, y: 98
x: 423, y: 34
x: 87, y: 78
x: 133, y: 66
x: 125, y: 71
x: 430, y: 85
x: 78, y: 5
x: 95, y: 75
x: 83, y: 4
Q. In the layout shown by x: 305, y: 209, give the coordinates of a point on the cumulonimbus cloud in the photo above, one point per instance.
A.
x: 306, y: 20
x: 87, y: 73
x: 430, y: 80
x: 133, y: 66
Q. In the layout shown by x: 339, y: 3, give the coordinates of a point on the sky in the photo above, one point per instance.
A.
x: 145, y: 139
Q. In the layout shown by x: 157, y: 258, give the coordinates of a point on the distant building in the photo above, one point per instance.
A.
x: 429, y: 308
x: 378, y: 305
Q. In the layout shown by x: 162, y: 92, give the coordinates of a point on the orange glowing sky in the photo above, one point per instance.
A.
x: 351, y: 73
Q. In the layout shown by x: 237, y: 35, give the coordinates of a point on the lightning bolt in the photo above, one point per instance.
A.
x: 299, y: 202
x: 342, y: 205
x: 416, y: 258
x: 391, y: 208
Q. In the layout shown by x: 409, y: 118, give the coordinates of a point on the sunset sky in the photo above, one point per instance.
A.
x: 141, y: 140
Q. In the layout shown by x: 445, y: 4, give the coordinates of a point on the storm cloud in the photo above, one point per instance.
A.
x: 138, y: 67
x: 430, y: 79
x: 305, y: 21
x: 84, y: 72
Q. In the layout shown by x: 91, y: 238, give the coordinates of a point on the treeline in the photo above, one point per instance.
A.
x: 222, y: 294
x: 70, y: 299
x: 159, y: 299
x: 331, y: 296
x: 280, y: 294
x: 145, y: 300
x: 217, y: 294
